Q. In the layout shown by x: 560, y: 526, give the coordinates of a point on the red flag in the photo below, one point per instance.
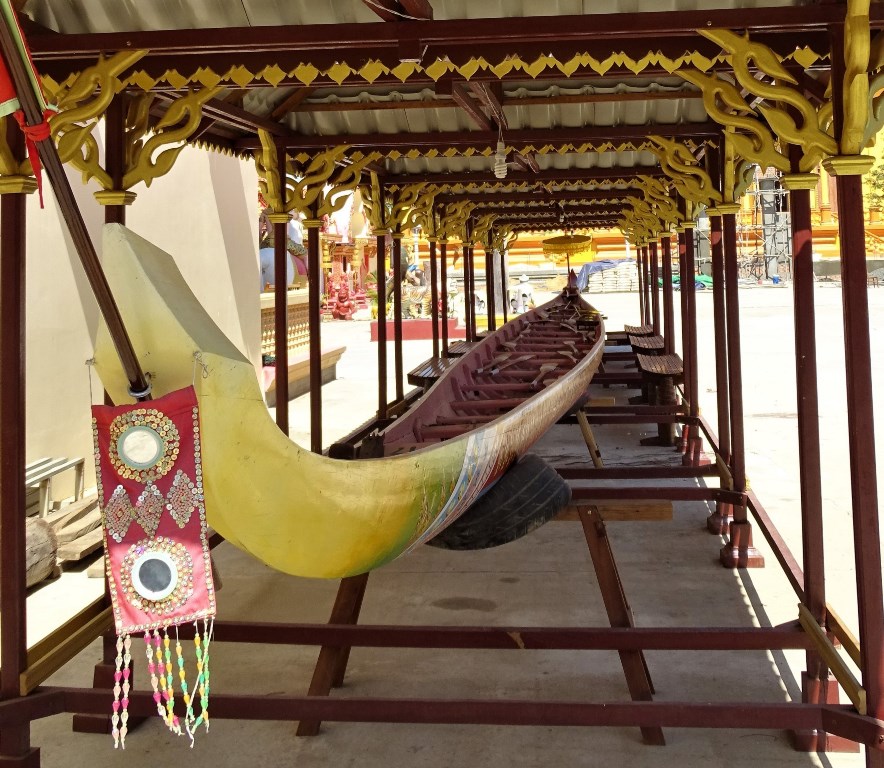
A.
x: 10, y: 104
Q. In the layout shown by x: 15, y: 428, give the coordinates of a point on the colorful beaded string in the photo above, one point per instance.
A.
x: 202, y: 667
x: 118, y: 676
x: 124, y: 702
x: 154, y: 681
x: 168, y: 715
x: 185, y: 692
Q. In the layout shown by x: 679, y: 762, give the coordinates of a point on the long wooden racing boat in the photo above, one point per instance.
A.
x: 311, y: 515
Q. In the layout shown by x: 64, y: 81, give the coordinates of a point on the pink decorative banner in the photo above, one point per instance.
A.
x: 150, y: 488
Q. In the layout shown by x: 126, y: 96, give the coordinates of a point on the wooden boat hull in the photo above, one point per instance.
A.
x: 296, y: 511
x: 490, y: 449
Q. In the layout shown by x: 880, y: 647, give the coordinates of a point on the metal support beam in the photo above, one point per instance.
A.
x: 398, y: 367
x: 861, y: 439
x: 434, y: 297
x: 443, y: 281
x: 14, y: 739
x: 314, y: 269
x: 655, y: 285
x: 381, y: 271
x: 666, y: 276
x: 739, y: 550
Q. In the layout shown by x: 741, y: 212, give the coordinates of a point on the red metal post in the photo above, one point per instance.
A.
x: 490, y: 303
x: 503, y: 286
x: 470, y: 291
x: 808, y: 402
x: 816, y: 680
x: 396, y: 257
x: 668, y: 315
x: 860, y: 409
x: 314, y: 269
x: 443, y: 279
x: 689, y: 289
x: 683, y: 298
x: 114, y: 162
x: 646, y: 271
x: 655, y: 286
x: 281, y: 318
x: 640, y: 270
x: 381, y: 245
x: 434, y: 297
x: 15, y: 746
x: 720, y: 322
x: 719, y: 521
x: 861, y: 440
x: 738, y: 551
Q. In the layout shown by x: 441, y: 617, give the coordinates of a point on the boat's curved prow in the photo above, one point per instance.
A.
x: 298, y: 512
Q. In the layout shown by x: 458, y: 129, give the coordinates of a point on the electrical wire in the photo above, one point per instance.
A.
x: 384, y: 8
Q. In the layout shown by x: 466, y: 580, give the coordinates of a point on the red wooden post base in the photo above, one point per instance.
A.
x: 719, y: 522
x: 816, y: 691
x: 739, y: 552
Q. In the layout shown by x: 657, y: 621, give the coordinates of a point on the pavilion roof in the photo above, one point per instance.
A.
x: 574, y: 88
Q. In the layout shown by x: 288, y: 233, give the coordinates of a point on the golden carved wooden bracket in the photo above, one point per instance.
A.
x: 482, y: 230
x: 689, y: 178
x: 453, y: 219
x: 317, y: 190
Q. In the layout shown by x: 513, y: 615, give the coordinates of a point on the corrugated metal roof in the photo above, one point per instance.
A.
x: 79, y: 16
x: 600, y: 96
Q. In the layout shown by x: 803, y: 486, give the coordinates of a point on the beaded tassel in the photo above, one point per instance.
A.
x: 118, y: 676
x: 208, y: 628
x: 170, y: 685
x: 154, y: 681
x: 185, y: 692
x: 168, y: 714
x: 124, y: 702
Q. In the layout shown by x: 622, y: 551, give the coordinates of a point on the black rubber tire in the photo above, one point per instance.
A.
x: 529, y: 494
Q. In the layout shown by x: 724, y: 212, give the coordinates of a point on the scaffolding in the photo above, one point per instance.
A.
x: 764, y: 230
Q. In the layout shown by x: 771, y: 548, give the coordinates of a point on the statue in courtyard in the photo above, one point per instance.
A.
x: 344, y: 306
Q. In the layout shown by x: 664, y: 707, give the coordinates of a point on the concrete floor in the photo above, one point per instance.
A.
x: 669, y: 571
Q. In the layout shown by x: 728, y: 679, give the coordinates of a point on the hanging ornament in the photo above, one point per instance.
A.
x: 150, y: 487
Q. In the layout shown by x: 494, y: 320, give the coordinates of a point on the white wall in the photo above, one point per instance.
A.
x: 204, y: 212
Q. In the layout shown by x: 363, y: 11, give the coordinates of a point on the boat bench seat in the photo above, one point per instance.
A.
x: 660, y: 374
x: 459, y: 348
x: 661, y: 366
x: 652, y: 345
x: 428, y: 371
x: 638, y: 330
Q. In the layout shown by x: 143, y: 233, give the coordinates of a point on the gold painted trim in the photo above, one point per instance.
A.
x: 545, y: 65
x: 279, y: 218
x: 17, y: 185
x: 848, y: 165
x: 728, y: 208
x: 806, y: 181
x: 115, y: 197
x: 311, y: 223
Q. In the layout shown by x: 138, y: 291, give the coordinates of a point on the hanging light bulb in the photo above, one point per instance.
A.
x: 500, y: 159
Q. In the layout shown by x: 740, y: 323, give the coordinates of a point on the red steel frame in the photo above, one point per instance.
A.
x: 17, y: 711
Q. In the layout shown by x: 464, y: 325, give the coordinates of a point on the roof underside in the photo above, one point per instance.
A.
x: 573, y: 88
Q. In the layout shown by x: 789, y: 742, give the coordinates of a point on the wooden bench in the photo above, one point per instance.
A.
x: 638, y: 330
x: 459, y: 348
x: 428, y: 371
x: 660, y: 374
x: 652, y: 345
x: 39, y: 474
